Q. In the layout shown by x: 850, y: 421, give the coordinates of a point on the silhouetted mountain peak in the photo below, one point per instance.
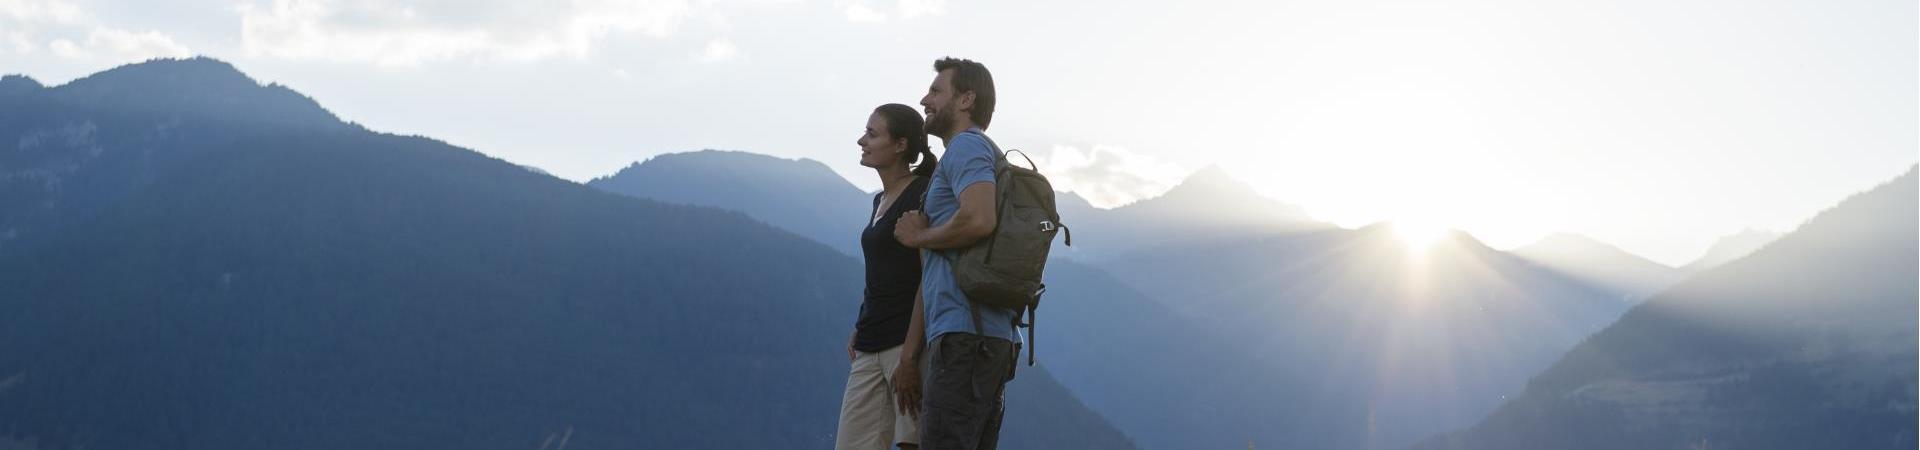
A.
x: 1211, y: 181
x: 1214, y: 194
x: 198, y: 86
x: 97, y: 138
x: 18, y: 84
x: 192, y: 72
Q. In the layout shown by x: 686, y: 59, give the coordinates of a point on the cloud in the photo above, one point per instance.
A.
x: 42, y: 11
x: 120, y: 45
x: 403, y: 33
x: 915, y: 8
x: 19, y: 42
x: 1107, y: 176
x: 69, y: 31
x: 860, y: 11
x: 719, y: 50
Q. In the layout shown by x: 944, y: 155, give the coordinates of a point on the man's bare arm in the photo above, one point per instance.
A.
x: 974, y: 221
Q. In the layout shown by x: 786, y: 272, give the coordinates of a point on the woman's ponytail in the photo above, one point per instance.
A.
x: 927, y: 162
x: 905, y: 123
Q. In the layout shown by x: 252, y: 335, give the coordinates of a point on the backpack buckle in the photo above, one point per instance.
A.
x: 1047, y: 225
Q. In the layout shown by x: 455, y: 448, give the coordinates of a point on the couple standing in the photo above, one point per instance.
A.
x: 913, y: 304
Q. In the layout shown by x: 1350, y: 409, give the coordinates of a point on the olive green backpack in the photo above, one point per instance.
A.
x: 1004, y: 269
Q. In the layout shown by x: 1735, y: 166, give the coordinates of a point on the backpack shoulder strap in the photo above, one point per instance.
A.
x: 999, y: 166
x: 1000, y: 157
x: 999, y: 163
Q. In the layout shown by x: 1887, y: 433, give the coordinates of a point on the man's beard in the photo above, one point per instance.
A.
x: 939, y: 123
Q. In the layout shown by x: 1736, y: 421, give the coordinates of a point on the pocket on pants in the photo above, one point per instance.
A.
x: 993, y: 367
x: 953, y: 360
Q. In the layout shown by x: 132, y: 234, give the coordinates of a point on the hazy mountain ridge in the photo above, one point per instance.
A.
x: 1601, y: 264
x: 280, y: 285
x: 1807, y: 343
x: 1731, y: 247
x: 762, y: 186
x: 1209, y: 204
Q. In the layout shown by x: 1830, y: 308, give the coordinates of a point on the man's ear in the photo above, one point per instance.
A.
x: 964, y: 103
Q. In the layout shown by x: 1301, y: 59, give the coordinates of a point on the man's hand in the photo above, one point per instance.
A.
x: 909, y: 227
x: 974, y: 221
x: 906, y: 385
x: 850, y: 354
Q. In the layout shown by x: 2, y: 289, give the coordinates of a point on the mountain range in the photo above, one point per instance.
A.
x: 189, y: 259
x: 1807, y: 343
x: 1383, y: 344
x: 1220, y: 296
x: 198, y: 261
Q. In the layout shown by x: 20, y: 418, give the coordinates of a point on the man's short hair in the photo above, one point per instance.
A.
x: 969, y: 76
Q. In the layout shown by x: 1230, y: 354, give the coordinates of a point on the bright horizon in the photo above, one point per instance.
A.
x: 1653, y: 126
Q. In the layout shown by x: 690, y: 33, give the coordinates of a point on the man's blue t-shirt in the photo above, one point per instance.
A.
x: 969, y: 160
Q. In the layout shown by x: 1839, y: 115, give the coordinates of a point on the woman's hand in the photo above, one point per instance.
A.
x: 906, y: 385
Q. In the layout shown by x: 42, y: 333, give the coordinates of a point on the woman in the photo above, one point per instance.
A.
x: 882, y: 401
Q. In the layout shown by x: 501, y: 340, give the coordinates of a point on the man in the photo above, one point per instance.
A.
x: 967, y: 371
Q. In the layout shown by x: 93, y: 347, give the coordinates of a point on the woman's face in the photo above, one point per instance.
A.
x: 877, y: 148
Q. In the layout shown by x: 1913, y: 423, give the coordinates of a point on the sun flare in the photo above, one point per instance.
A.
x: 1419, y: 234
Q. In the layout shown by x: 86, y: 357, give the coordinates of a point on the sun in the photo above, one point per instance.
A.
x: 1419, y: 234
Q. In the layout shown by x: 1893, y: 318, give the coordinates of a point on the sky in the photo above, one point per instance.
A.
x: 1657, y: 126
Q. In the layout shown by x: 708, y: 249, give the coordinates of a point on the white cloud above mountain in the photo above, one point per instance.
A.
x: 68, y: 30
x: 866, y: 11
x: 403, y: 33
x: 1107, y: 176
x: 719, y: 50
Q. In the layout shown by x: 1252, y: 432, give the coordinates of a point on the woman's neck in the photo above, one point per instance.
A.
x: 894, y: 178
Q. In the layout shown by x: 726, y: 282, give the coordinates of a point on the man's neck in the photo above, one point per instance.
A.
x: 957, y: 129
